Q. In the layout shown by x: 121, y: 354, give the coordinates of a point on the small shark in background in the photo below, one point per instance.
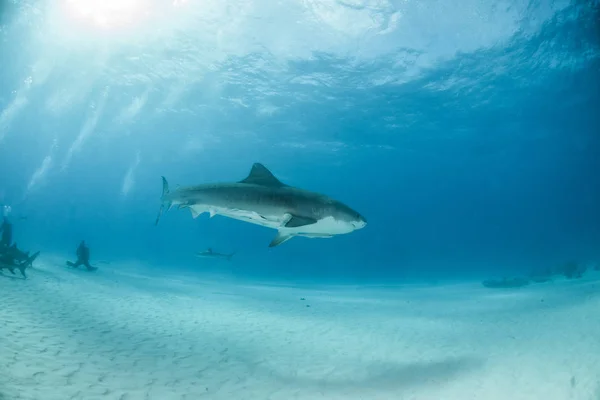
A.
x: 262, y: 199
x: 209, y: 253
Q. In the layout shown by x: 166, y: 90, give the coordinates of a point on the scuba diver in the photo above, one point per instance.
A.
x: 83, y: 257
x: 6, y: 229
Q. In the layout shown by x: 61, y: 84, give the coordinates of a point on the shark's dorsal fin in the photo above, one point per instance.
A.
x: 260, y: 175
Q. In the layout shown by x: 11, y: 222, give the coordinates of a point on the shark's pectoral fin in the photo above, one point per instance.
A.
x: 280, y: 238
x: 295, y: 221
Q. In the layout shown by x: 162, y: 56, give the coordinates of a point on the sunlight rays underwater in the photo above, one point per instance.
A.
x: 130, y: 88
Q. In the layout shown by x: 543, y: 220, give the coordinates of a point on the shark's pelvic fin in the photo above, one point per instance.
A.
x: 260, y: 175
x: 280, y: 238
x: 295, y: 221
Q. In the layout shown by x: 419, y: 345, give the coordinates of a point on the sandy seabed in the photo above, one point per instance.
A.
x: 124, y: 333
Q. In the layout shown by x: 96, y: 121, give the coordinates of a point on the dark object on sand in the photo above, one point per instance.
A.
x: 12, y: 258
x: 83, y: 257
x: 572, y: 270
x: 505, y: 283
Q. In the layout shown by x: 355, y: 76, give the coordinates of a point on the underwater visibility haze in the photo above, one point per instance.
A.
x: 381, y: 199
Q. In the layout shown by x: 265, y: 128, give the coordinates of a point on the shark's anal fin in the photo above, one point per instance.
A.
x: 212, y: 213
x: 280, y: 238
x: 296, y: 221
x: 260, y: 175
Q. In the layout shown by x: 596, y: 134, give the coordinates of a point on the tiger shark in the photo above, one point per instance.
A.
x: 262, y: 199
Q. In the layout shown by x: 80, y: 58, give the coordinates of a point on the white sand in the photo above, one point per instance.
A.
x: 68, y: 334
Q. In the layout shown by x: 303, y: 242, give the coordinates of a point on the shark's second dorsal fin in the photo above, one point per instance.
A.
x: 260, y: 175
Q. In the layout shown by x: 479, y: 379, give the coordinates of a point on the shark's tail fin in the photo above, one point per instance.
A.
x: 31, y: 259
x: 28, y: 263
x: 165, y: 192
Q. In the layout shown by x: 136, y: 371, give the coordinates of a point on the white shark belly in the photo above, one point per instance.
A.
x: 270, y: 221
x: 323, y: 228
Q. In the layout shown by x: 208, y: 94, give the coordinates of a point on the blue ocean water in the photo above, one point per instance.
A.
x: 467, y: 134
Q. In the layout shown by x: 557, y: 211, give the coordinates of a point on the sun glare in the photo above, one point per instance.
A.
x: 108, y: 13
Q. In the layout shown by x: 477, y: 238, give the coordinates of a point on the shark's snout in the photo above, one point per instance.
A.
x: 360, y: 223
